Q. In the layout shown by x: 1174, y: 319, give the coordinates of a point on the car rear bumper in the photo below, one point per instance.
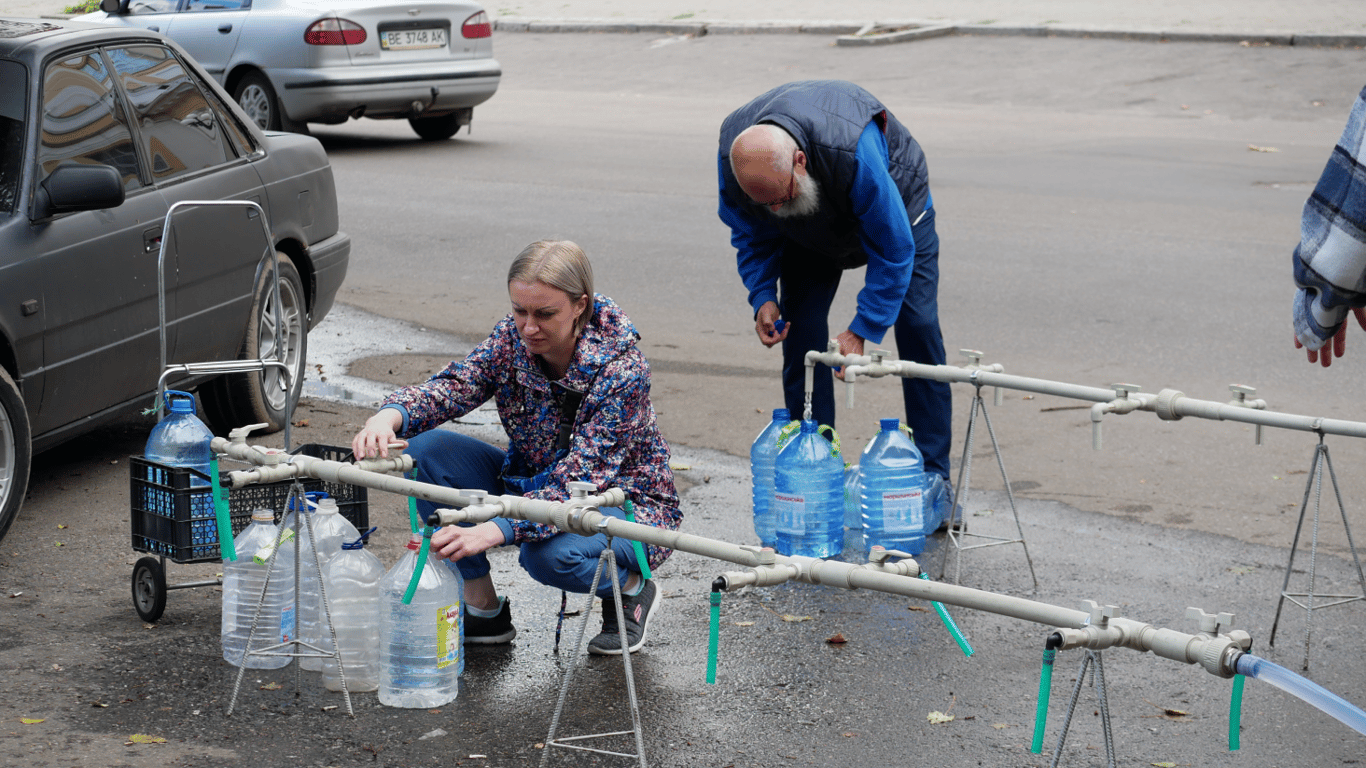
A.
x: 330, y: 259
x: 335, y: 93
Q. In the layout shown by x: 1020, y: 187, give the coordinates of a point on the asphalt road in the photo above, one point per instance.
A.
x: 1103, y: 219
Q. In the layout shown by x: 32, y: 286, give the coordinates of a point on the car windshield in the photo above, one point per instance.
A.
x: 13, y: 92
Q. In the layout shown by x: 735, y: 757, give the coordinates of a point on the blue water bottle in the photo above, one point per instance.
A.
x: 808, y: 495
x: 761, y: 457
x: 180, y: 439
x: 894, y: 494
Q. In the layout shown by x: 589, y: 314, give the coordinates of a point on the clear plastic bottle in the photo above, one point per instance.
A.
x: 762, y: 453
x: 894, y: 491
x: 330, y: 531
x: 420, y: 643
x: 180, y: 439
x: 853, y: 512
x: 808, y: 496
x: 243, y: 580
x: 353, y: 591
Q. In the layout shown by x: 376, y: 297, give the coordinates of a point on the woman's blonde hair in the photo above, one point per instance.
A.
x: 559, y: 264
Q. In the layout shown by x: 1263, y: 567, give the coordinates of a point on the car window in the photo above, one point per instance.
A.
x: 178, y: 132
x: 13, y: 91
x: 83, y: 119
x: 139, y: 7
x: 238, y: 137
x: 217, y: 5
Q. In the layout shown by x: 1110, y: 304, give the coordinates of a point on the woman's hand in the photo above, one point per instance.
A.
x: 454, y: 542
x: 379, y: 431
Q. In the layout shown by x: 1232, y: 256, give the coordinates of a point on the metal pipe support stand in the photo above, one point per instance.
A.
x: 607, y: 562
x: 1098, y: 682
x: 1309, y: 604
x: 958, y: 532
x: 298, y: 649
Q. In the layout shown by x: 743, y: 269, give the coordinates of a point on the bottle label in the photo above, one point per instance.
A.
x: 288, y: 622
x: 447, y: 635
x: 791, y: 510
x: 903, y: 510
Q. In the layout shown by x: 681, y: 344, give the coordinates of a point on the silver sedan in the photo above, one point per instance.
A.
x: 293, y: 62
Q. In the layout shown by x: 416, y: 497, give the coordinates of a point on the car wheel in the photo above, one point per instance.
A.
x: 436, y: 128
x: 149, y: 589
x: 261, y: 397
x: 15, y: 451
x: 257, y: 98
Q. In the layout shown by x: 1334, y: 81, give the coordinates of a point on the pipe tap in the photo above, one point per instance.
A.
x: 1121, y: 404
x: 1241, y: 393
x: 975, y: 364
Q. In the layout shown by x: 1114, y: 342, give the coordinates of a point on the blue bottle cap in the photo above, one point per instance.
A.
x: 809, y: 425
x: 782, y: 414
x: 890, y: 425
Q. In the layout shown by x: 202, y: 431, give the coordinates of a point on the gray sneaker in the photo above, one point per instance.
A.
x: 636, y: 610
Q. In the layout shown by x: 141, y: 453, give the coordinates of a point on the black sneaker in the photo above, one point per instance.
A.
x: 490, y: 631
x: 637, y: 611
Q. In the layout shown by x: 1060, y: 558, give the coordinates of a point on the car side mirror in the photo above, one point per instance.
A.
x: 74, y: 187
x: 114, y: 6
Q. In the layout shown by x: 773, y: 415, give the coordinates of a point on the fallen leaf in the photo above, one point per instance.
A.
x: 743, y: 623
x: 999, y: 726
x: 327, y: 708
x: 99, y: 704
x: 271, y: 687
x: 936, y: 718
x: 31, y: 720
x: 918, y: 608
x: 679, y: 467
x: 56, y: 667
x: 142, y: 738
x: 1256, y: 148
x: 1241, y: 570
x: 57, y: 543
x: 836, y: 639
x: 790, y: 617
x: 1164, y: 765
x: 301, y: 423
x: 16, y: 594
x: 61, y: 527
x: 848, y: 734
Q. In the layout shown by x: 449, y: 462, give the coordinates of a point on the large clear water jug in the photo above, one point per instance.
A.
x: 243, y: 581
x: 420, y: 643
x: 180, y: 439
x: 762, y: 453
x: 330, y: 530
x: 894, y: 491
x: 808, y: 495
x: 353, y: 591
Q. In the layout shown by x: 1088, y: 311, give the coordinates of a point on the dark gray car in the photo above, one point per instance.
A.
x: 102, y: 130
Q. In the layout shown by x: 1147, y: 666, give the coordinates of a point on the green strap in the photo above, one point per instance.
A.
x: 715, y: 636
x: 226, y: 546
x: 421, y: 562
x: 949, y: 623
x: 412, y: 506
x: 787, y: 432
x: 1235, y: 714
x: 1041, y: 713
x: 637, y: 546
x: 834, y: 438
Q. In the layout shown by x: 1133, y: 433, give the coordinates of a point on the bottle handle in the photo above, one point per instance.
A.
x: 834, y: 438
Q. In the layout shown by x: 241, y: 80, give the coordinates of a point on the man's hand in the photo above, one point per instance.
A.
x: 455, y: 542
x: 768, y: 326
x: 850, y: 344
x: 1337, y: 345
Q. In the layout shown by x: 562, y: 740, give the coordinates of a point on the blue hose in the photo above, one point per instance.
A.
x: 1302, y: 688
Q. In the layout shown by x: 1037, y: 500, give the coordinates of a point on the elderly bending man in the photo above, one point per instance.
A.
x: 818, y: 177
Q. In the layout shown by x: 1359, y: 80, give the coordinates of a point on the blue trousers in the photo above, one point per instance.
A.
x: 806, y: 288
x: 565, y: 561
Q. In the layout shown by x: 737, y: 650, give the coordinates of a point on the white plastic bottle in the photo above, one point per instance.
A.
x: 420, y: 649
x: 353, y: 591
x: 243, y: 580
x: 330, y: 530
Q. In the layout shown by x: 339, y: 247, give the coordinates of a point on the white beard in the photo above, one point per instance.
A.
x: 807, y: 201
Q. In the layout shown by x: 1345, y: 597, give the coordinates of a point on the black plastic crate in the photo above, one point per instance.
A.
x: 168, y: 517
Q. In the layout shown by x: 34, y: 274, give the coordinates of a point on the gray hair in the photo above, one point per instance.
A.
x: 560, y: 264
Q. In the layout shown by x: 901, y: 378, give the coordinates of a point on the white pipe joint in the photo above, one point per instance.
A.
x: 1122, y: 404
x: 1241, y: 393
x: 1215, y: 648
x: 975, y: 364
x: 877, y: 561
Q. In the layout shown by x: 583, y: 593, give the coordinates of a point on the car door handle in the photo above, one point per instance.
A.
x: 225, y: 28
x: 151, y: 240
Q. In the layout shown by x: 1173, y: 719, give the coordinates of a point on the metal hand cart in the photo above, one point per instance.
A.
x: 171, y: 509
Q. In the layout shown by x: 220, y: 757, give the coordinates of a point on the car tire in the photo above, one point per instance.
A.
x: 259, y: 397
x: 257, y: 98
x: 15, y: 451
x: 436, y: 128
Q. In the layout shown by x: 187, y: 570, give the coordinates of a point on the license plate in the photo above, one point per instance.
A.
x: 411, y: 39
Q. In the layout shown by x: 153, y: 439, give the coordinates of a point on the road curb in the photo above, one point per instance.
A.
x: 856, y: 33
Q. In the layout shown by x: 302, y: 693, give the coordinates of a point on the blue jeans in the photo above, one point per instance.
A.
x: 565, y: 561
x: 806, y: 289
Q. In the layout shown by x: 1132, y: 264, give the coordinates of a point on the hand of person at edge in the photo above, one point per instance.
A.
x: 850, y: 344
x: 378, y: 433
x: 455, y: 542
x: 1337, y: 345
x: 764, y: 324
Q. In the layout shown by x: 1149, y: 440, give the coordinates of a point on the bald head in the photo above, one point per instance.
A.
x: 761, y: 158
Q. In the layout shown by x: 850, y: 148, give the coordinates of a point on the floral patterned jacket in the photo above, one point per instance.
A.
x: 615, y: 442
